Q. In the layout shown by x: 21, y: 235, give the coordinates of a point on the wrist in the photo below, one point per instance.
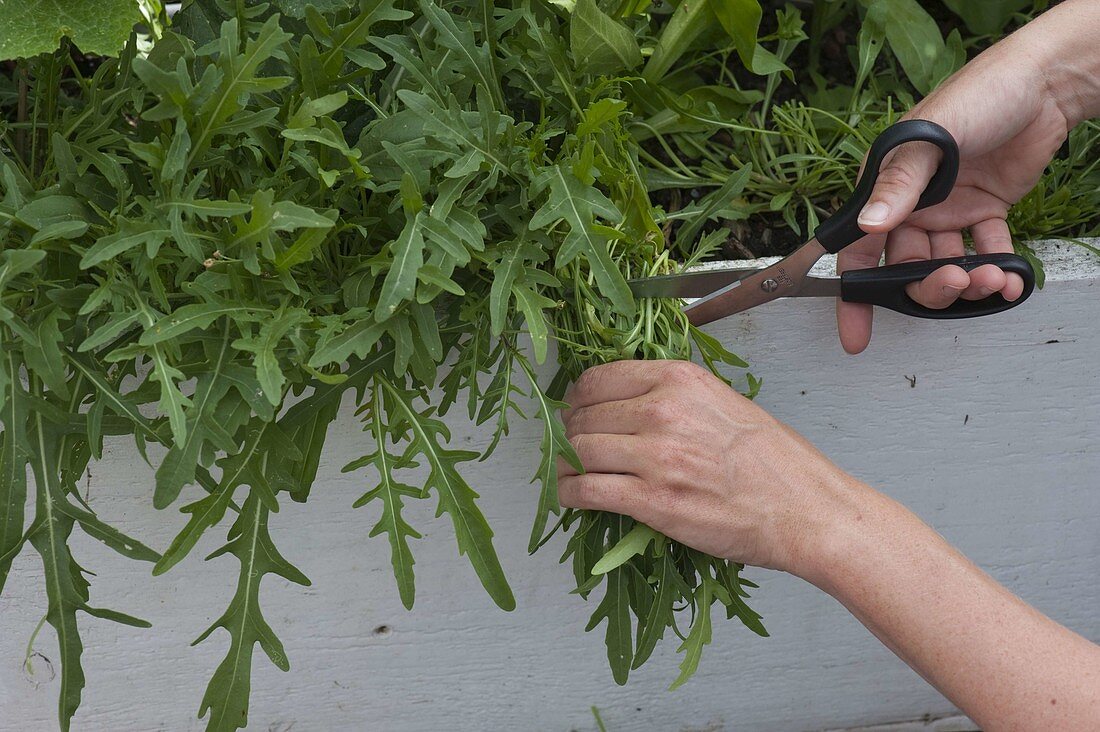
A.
x: 840, y: 530
x: 827, y: 524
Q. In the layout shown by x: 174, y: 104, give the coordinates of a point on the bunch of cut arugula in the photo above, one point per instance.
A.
x: 205, y: 247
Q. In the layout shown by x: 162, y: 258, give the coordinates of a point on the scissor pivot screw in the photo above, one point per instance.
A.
x: 769, y: 285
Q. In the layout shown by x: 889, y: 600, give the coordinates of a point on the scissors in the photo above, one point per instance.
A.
x: 724, y: 292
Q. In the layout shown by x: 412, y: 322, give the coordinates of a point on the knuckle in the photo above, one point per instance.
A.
x: 682, y: 372
x: 895, y: 177
x: 584, y: 383
x: 662, y: 411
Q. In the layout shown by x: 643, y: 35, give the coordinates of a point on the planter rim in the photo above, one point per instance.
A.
x: 1062, y: 261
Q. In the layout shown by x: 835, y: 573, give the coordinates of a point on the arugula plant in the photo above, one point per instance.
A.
x: 207, y: 246
x: 209, y: 242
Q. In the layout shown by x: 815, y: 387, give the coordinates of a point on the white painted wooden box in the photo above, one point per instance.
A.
x: 989, y: 429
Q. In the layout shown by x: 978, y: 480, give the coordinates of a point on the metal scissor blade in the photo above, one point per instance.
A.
x: 782, y: 279
x: 688, y: 284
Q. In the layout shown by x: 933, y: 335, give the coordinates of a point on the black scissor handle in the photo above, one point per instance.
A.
x: 885, y: 286
x: 841, y: 229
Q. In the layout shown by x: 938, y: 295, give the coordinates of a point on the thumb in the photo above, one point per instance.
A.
x: 901, y: 181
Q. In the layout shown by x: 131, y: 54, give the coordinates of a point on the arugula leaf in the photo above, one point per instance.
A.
x: 554, y: 445
x: 699, y: 636
x: 635, y: 542
x: 408, y: 258
x: 180, y: 464
x: 389, y: 491
x: 268, y: 371
x: 66, y: 586
x: 456, y: 498
x: 579, y: 205
x: 254, y: 215
x: 615, y: 608
x: 226, y: 698
x: 14, y: 453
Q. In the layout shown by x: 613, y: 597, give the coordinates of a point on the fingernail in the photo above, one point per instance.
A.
x: 874, y: 214
x: 983, y: 291
x: 951, y: 291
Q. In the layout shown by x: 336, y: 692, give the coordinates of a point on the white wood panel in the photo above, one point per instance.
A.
x: 994, y: 443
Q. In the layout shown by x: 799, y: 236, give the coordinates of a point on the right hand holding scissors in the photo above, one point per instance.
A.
x: 1008, y: 123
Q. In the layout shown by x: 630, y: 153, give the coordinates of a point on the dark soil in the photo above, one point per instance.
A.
x: 764, y: 235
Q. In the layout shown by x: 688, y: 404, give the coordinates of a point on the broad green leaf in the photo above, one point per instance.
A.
x: 179, y: 466
x: 302, y: 250
x: 600, y: 113
x: 601, y: 44
x: 66, y: 586
x: 172, y: 401
x: 309, y: 436
x: 63, y: 592
x: 209, y: 510
x: 175, y: 159
x: 51, y: 210
x: 914, y: 39
x: 714, y: 203
x: 202, y: 515
x: 237, y: 81
x: 44, y: 356
x: 532, y: 304
x: 986, y: 17
x: 660, y: 615
x: 458, y: 36
x: 739, y: 18
x: 94, y: 527
x: 505, y: 273
x: 475, y: 145
x: 96, y: 27
x: 871, y: 38
x: 14, y: 262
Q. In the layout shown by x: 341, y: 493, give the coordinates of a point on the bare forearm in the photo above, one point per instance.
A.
x: 1003, y: 663
x: 1065, y: 43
